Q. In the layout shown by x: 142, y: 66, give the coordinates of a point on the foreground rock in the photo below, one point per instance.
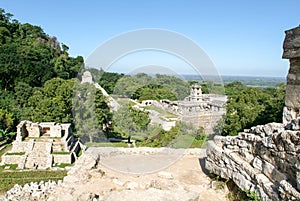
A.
x: 91, y: 178
x: 264, y: 160
x: 32, y: 191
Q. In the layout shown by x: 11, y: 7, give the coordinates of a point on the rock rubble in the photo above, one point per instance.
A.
x: 265, y: 160
x: 32, y: 191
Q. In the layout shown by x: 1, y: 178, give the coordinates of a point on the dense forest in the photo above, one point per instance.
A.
x: 38, y: 83
x: 250, y: 106
x: 36, y: 74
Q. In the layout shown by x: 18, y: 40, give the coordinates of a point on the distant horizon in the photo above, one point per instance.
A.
x: 222, y: 75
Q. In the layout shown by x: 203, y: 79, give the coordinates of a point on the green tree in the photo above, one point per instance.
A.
x: 248, y: 106
x: 29, y: 55
x: 131, y: 121
x: 6, y: 135
x: 92, y: 116
x: 53, y: 102
x: 103, y: 112
x: 108, y: 81
x: 153, y: 92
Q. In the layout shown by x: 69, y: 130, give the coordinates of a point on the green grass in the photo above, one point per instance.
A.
x: 106, y: 144
x: 80, y: 153
x: 61, y: 152
x: 15, y: 153
x: 9, y: 178
x: 11, y: 166
x: 187, y: 141
x: 63, y: 165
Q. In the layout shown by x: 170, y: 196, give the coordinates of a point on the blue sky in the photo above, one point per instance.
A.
x: 240, y: 38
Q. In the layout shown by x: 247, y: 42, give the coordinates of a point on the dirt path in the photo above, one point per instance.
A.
x: 183, y: 180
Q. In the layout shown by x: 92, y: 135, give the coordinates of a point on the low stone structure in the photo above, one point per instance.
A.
x: 202, y: 110
x: 41, y: 145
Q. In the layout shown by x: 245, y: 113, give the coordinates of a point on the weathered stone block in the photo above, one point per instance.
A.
x: 257, y: 163
x: 291, y: 44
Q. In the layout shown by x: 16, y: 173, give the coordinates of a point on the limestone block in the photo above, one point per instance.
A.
x: 287, y: 192
x: 34, y: 130
x: 292, y: 98
x: 257, y: 163
x: 56, y: 131
x: 242, y: 143
x: 251, y: 172
x: 219, y: 140
x: 62, y: 158
x: 244, y: 152
x: 241, y: 181
x: 291, y: 43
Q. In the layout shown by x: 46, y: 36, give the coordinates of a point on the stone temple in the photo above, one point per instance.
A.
x: 42, y: 145
x: 202, y: 110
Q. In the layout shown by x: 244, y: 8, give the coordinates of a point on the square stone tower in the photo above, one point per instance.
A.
x: 291, y: 48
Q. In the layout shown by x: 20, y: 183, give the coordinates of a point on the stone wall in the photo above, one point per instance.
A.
x: 291, y: 48
x: 208, y: 121
x: 20, y: 146
x: 13, y: 159
x: 62, y: 158
x: 263, y: 160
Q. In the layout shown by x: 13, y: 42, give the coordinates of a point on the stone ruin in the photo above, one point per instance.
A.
x: 291, y: 48
x: 88, y: 78
x: 266, y: 159
x: 202, y: 110
x: 42, y: 145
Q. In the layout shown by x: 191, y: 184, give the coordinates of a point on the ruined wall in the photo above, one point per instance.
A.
x: 62, y: 158
x: 208, y: 121
x: 266, y: 159
x: 291, y: 48
x: 13, y: 159
x: 263, y: 160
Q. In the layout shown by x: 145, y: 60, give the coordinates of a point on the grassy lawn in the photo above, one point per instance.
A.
x: 16, y: 153
x: 63, y: 165
x: 187, y: 141
x: 106, y: 144
x: 11, y: 166
x: 61, y: 152
x: 9, y: 178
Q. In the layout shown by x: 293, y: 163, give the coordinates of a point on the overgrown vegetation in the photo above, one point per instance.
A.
x: 182, y: 135
x: 235, y: 193
x: 30, y: 59
x: 248, y: 106
x: 144, y: 87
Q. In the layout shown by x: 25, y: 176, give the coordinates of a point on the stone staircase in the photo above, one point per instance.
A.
x: 36, y: 157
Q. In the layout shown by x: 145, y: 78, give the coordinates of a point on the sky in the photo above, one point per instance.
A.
x: 240, y: 37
